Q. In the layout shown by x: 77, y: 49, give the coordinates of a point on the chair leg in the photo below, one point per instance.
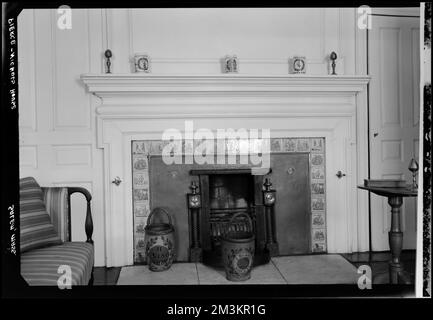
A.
x: 90, y: 284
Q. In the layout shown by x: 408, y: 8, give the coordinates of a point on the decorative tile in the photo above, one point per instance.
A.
x: 318, y: 220
x: 244, y: 146
x: 276, y: 145
x: 141, y: 209
x: 188, y: 146
x: 141, y: 194
x: 172, y: 147
x: 318, y: 204
x: 317, y: 145
x: 289, y: 145
x: 319, y: 235
x: 156, y: 147
x: 233, y: 146
x: 220, y: 147
x: 139, y: 147
x: 140, y: 243
x: 317, y: 159
x: 319, y: 247
x: 303, y: 145
x: 139, y: 227
x: 255, y: 146
x: 139, y: 163
x: 318, y: 173
x: 140, y: 256
x: 318, y: 188
x: 140, y: 180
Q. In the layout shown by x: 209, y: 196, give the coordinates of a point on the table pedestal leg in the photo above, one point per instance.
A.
x: 395, y: 239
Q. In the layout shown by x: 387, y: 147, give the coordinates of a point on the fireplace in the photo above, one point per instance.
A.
x: 137, y: 107
x: 294, y: 224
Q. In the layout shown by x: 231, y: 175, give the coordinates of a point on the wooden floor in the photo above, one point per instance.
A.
x: 103, y: 276
x: 378, y: 261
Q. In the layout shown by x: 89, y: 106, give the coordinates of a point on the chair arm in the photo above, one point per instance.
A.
x: 57, y: 205
x: 88, y: 225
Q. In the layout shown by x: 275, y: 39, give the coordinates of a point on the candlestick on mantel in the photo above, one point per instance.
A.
x: 108, y: 55
x: 333, y: 57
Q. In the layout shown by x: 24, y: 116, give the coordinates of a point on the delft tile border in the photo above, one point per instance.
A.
x: 142, y: 149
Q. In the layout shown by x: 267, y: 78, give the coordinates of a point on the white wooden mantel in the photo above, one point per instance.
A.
x: 140, y: 106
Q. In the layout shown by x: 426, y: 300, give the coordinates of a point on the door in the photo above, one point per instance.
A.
x: 393, y: 63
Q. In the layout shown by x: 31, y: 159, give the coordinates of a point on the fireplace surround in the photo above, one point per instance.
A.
x: 298, y: 221
x: 139, y: 107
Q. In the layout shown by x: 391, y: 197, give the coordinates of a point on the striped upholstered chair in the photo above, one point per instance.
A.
x: 46, y: 242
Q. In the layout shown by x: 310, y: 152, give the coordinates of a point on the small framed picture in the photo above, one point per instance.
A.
x: 142, y: 63
x: 298, y: 64
x: 230, y: 64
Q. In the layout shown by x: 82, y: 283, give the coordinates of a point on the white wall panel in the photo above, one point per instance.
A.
x: 26, y: 71
x: 71, y: 58
x: 195, y: 40
x: 390, y: 75
x: 72, y: 155
x: 28, y: 157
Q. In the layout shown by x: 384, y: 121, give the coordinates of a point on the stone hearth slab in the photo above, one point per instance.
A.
x: 264, y: 274
x: 316, y: 269
x: 178, y: 274
x: 312, y: 269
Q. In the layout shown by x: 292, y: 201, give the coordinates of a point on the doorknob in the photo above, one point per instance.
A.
x: 340, y: 174
x: 375, y: 134
x: 116, y: 181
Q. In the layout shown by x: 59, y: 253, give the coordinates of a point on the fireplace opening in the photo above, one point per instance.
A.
x: 229, y: 195
x: 223, y: 194
x: 230, y: 192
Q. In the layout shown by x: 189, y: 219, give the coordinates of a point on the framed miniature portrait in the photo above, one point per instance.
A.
x: 230, y: 64
x: 142, y: 63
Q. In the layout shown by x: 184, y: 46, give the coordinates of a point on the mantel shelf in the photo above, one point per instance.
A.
x: 107, y: 84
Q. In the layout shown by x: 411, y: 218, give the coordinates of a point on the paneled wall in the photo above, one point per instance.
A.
x: 57, y: 115
x: 195, y: 40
